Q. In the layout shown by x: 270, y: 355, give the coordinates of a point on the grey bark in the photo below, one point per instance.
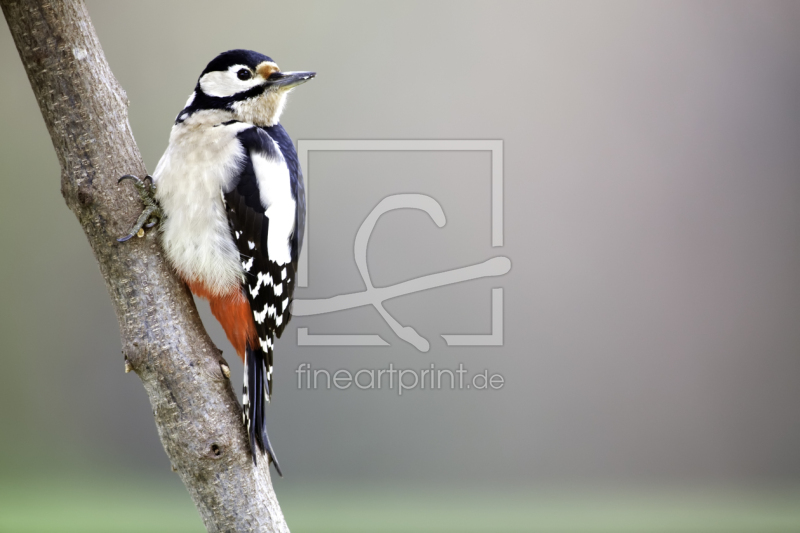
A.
x: 163, y: 340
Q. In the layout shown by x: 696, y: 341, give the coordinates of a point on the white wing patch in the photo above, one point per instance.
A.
x: 275, y: 188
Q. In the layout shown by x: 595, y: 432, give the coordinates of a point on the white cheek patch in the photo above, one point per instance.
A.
x: 226, y: 83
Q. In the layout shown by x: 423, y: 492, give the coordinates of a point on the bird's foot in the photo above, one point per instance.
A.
x: 151, y: 213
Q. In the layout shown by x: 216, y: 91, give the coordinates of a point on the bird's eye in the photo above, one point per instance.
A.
x: 244, y: 74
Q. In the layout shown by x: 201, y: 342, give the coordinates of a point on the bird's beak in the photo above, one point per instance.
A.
x: 287, y: 80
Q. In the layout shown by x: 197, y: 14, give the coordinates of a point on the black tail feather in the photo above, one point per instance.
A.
x: 256, y: 394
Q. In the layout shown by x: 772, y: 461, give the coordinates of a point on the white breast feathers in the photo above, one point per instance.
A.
x: 201, y: 160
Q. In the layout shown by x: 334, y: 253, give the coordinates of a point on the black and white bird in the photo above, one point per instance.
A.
x: 229, y: 193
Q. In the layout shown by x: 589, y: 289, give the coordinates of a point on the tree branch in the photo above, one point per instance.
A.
x: 196, y: 412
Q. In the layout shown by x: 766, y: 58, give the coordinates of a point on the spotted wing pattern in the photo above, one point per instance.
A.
x: 268, y: 285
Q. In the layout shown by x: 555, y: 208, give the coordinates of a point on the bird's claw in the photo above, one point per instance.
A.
x: 145, y: 187
x: 151, y: 214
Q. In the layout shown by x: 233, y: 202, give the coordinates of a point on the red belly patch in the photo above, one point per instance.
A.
x: 233, y: 312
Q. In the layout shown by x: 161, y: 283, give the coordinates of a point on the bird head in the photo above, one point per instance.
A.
x: 248, y: 84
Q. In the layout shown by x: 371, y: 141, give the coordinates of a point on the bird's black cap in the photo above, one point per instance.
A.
x: 235, y: 57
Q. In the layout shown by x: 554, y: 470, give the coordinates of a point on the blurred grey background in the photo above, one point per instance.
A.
x: 652, y: 209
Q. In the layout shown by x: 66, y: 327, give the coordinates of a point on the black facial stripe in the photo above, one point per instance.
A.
x: 204, y: 101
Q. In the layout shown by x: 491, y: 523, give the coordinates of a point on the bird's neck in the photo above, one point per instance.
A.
x: 264, y: 110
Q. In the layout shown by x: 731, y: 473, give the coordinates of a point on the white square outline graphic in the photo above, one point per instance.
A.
x: 304, y: 146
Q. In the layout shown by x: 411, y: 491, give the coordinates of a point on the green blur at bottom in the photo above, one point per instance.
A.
x: 137, y: 504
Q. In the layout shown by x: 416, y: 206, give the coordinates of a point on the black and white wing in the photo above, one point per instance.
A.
x: 264, y: 207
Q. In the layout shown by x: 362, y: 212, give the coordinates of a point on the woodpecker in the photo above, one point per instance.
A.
x: 228, y: 193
